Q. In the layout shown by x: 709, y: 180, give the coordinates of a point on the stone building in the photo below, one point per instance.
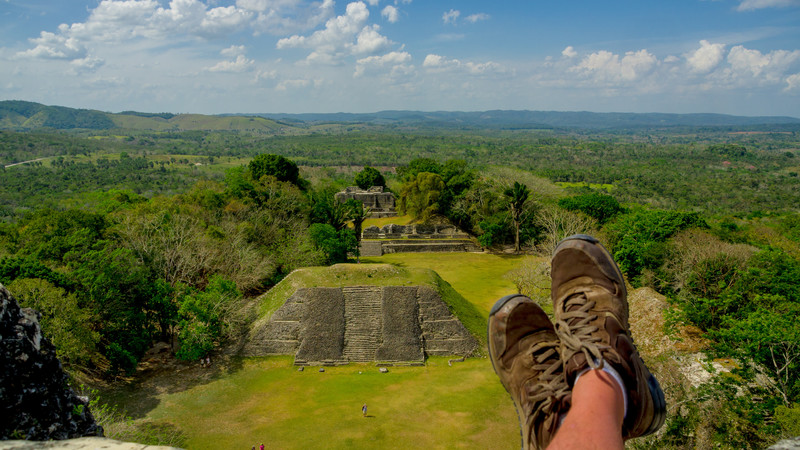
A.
x: 381, y: 203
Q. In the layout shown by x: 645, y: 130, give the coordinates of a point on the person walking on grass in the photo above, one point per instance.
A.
x: 364, y: 410
x: 578, y: 383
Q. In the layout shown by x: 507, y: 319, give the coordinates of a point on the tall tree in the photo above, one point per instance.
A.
x: 357, y: 213
x: 517, y: 196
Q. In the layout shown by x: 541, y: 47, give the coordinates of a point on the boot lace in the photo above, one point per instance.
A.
x: 576, y: 333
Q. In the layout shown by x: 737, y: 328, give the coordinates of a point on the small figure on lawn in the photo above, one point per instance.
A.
x: 364, y: 410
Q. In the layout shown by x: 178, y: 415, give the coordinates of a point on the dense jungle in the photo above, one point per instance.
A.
x: 125, y: 236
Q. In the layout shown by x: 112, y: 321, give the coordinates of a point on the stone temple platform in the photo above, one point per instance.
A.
x: 338, y: 325
x: 416, y: 238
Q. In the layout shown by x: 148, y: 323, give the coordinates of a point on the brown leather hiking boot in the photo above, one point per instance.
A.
x: 523, y: 347
x: 591, y: 312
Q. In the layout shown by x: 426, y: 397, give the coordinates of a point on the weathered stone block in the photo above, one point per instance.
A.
x: 401, y: 330
x: 323, y: 325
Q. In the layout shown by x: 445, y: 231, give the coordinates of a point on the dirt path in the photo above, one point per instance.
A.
x: 24, y: 162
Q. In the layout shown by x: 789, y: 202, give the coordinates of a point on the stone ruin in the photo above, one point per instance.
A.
x: 36, y: 402
x: 338, y: 325
x: 381, y: 204
x: 415, y: 238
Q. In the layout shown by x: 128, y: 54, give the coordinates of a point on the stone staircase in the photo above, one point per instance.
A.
x: 363, y: 329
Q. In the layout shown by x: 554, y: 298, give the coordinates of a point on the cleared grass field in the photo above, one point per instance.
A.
x: 480, y: 277
x: 269, y: 401
x: 436, y: 406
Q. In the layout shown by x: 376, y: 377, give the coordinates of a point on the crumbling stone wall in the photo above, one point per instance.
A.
x: 362, y: 323
x: 36, y: 402
x: 381, y: 203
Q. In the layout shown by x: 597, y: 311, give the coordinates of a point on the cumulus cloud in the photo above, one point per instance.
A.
x: 113, y: 21
x: 337, y: 38
x: 569, y: 52
x: 397, y: 61
x: 770, y: 67
x: 706, y: 58
x: 88, y: 64
x: 54, y: 46
x: 292, y: 84
x: 438, y: 63
x: 233, y: 50
x: 240, y: 64
x: 750, y: 5
x: 281, y: 17
x: 451, y: 16
x: 605, y: 66
x: 391, y: 14
x: 472, y: 18
x: 793, y: 83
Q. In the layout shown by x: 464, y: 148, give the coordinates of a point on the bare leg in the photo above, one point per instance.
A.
x: 595, y: 419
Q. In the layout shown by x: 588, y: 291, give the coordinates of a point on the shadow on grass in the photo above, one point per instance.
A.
x: 140, y: 394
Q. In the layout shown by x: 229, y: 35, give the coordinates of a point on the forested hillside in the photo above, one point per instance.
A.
x: 126, y: 237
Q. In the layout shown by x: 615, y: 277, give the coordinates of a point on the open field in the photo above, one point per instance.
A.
x: 268, y: 400
x: 480, y: 277
x: 437, y: 406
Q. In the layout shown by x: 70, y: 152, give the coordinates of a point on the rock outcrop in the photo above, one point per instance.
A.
x: 36, y: 402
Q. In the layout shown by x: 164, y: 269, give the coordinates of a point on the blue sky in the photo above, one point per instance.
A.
x: 226, y: 56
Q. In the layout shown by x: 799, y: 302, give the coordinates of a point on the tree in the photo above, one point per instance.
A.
x: 369, y: 177
x: 357, y: 214
x: 335, y: 244
x: 517, y: 196
x: 275, y: 165
x: 598, y: 206
x: 419, y: 196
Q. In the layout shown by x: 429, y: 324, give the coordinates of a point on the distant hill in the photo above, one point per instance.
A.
x: 22, y: 115
x: 541, y: 119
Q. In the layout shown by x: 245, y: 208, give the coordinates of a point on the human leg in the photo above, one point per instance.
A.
x: 591, y: 311
x: 595, y: 417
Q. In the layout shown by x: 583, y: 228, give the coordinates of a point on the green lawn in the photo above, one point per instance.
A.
x: 479, y: 277
x: 269, y: 401
x: 436, y: 406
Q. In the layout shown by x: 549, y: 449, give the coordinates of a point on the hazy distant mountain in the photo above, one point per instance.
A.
x: 542, y: 119
x: 15, y: 114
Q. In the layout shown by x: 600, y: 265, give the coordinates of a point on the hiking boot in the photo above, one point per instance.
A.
x: 591, y: 312
x: 523, y: 347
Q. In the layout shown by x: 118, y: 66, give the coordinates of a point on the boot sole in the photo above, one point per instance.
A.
x: 496, y: 307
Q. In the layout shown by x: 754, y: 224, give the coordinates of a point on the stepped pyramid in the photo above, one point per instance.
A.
x: 338, y: 325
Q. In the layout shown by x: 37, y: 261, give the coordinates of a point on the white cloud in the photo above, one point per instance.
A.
x: 233, y: 50
x: 750, y: 5
x: 451, y: 16
x: 438, y: 63
x: 54, y: 46
x: 792, y: 83
x: 88, y: 64
x: 770, y: 67
x: 336, y: 39
x: 569, y: 52
x: 605, y: 66
x: 706, y: 58
x: 472, y: 18
x: 370, y: 41
x: 283, y: 17
x: 240, y: 64
x: 395, y: 60
x: 391, y: 14
x: 292, y: 84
